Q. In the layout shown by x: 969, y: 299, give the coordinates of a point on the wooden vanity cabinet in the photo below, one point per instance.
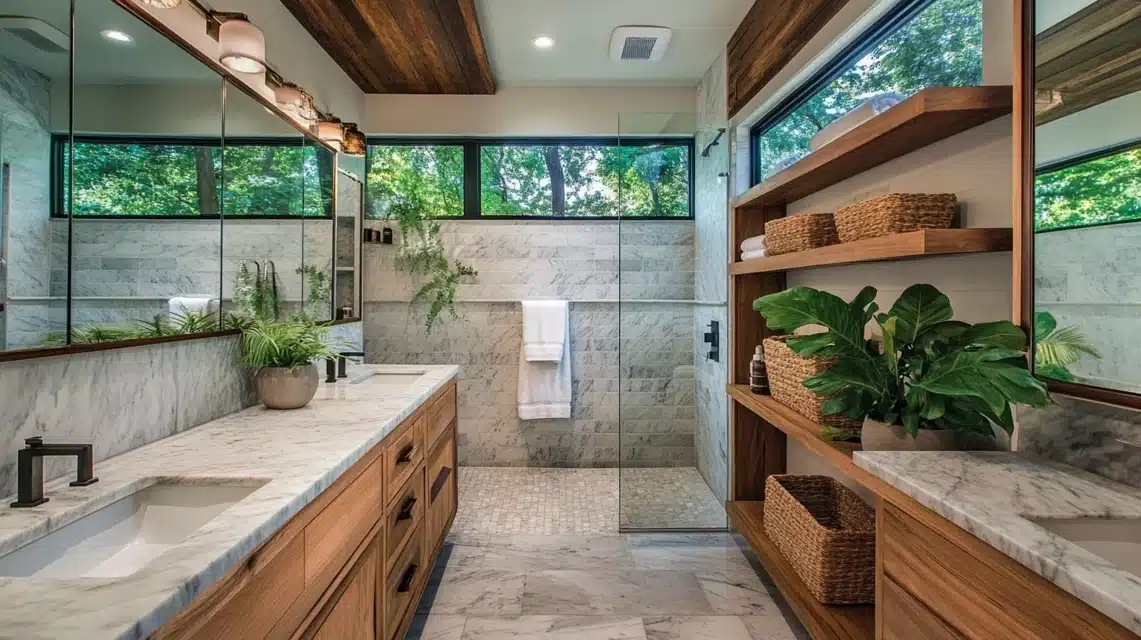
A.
x: 352, y: 564
x: 936, y: 581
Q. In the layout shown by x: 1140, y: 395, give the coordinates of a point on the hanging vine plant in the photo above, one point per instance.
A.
x: 422, y: 256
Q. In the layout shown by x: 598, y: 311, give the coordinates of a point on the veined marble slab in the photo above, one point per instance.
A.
x: 991, y: 495
x: 300, y: 452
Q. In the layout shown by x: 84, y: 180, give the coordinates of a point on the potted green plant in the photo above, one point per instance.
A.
x: 284, y: 354
x: 926, y: 382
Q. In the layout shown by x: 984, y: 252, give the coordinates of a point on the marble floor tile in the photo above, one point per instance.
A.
x: 695, y: 628
x: 475, y: 591
x: 614, y: 592
x: 698, y: 553
x: 775, y: 627
x: 555, y: 627
x: 539, y: 553
x: 664, y: 498
x: 736, y: 592
x: 436, y: 627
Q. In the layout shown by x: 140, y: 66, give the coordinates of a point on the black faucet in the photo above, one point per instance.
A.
x: 30, y: 471
x: 336, y: 367
x: 712, y: 337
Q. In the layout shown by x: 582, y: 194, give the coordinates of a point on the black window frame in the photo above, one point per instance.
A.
x: 60, y: 142
x: 1073, y: 161
x: 473, y: 170
x: 871, y: 38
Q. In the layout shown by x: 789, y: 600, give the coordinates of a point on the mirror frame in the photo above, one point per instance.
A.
x: 1024, y: 169
x: 230, y: 79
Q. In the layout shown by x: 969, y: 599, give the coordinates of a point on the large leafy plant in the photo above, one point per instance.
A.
x: 926, y: 371
x: 285, y: 344
x: 1056, y: 348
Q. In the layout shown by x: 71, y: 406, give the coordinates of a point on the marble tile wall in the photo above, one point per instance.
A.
x: 631, y: 362
x: 1100, y: 438
x: 118, y: 400
x: 1091, y: 278
x: 711, y: 440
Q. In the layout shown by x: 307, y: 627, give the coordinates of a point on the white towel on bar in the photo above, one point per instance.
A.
x: 544, y: 329
x: 181, y: 306
x: 753, y: 255
x: 545, y: 387
x: 755, y: 243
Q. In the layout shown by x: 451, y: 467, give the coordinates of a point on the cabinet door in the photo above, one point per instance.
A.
x: 353, y: 615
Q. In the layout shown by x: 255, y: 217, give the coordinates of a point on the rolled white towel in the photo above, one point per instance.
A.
x: 756, y: 243
x: 753, y: 255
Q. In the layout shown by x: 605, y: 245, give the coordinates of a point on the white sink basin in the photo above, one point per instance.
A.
x: 1116, y: 541
x: 383, y: 377
x: 122, y: 537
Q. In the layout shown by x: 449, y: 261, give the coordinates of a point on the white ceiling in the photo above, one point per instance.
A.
x: 150, y: 58
x: 582, y: 28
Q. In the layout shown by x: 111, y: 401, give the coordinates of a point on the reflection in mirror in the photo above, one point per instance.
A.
x: 34, y: 94
x: 317, y: 264
x: 263, y: 204
x: 145, y: 169
x: 1087, y: 194
x: 350, y: 214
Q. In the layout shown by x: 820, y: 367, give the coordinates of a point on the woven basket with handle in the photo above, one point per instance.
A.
x: 827, y: 533
x: 800, y: 233
x: 787, y: 372
x: 895, y: 213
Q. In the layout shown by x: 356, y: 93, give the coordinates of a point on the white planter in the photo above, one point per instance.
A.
x: 877, y: 436
x: 282, y: 388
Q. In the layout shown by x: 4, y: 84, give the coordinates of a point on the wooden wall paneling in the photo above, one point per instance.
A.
x: 759, y: 451
x: 771, y: 34
x: 402, y: 46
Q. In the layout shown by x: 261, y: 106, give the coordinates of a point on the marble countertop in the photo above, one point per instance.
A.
x: 296, y: 454
x: 991, y: 495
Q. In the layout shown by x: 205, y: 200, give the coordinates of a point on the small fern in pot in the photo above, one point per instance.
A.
x: 927, y: 381
x: 284, y: 354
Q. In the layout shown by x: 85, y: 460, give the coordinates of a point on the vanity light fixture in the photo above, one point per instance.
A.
x: 353, y: 142
x: 241, y: 45
x: 329, y: 129
x: 117, y: 36
x: 543, y: 42
x: 292, y: 98
x: 162, y: 4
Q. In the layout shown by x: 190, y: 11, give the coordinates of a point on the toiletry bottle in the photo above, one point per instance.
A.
x: 758, y: 375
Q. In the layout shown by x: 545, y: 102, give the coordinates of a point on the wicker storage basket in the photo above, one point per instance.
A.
x: 787, y: 372
x: 799, y: 233
x: 828, y: 535
x: 895, y: 213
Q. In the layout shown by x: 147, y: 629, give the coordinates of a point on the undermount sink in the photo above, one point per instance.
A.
x: 1116, y: 541
x: 384, y: 377
x: 124, y: 536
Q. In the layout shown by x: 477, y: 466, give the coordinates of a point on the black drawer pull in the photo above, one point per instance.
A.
x: 405, y: 584
x: 439, y: 482
x: 405, y: 512
x: 405, y: 455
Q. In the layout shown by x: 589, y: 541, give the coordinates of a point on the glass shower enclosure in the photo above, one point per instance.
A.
x: 672, y: 249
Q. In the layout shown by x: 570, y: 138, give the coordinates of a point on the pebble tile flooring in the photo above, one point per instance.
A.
x: 516, y: 566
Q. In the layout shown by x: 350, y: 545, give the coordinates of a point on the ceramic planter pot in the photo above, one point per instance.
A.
x: 877, y: 436
x: 281, y: 388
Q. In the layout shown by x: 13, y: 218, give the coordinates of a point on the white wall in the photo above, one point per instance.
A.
x: 532, y: 111
x: 1105, y: 125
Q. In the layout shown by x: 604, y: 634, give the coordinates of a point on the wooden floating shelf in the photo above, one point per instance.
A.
x: 807, y: 433
x: 900, y: 246
x: 926, y: 117
x: 821, y: 620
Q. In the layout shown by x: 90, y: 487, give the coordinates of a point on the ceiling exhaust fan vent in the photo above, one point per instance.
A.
x: 37, y: 33
x: 639, y: 43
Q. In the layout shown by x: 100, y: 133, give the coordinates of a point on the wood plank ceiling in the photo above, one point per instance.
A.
x: 401, y: 46
x: 767, y: 39
x: 1089, y: 58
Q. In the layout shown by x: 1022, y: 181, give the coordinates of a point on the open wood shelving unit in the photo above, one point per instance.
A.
x: 759, y: 426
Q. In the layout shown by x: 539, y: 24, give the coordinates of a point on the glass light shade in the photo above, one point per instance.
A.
x: 329, y: 130
x: 241, y: 46
x: 288, y: 95
x: 162, y: 4
x: 353, y: 141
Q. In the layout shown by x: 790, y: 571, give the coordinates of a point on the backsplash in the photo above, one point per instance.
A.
x: 119, y: 399
x: 1084, y: 434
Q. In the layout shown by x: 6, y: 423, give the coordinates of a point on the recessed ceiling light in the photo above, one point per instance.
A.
x: 117, y: 36
x: 543, y: 42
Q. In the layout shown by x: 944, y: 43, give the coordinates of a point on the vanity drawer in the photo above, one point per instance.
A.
x: 401, y: 583
x: 905, y: 618
x: 441, y: 413
x: 340, y: 527
x: 403, y: 453
x: 441, y: 482
x: 404, y: 516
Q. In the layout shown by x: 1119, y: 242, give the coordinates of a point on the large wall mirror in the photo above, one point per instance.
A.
x: 1084, y: 209
x: 144, y: 194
